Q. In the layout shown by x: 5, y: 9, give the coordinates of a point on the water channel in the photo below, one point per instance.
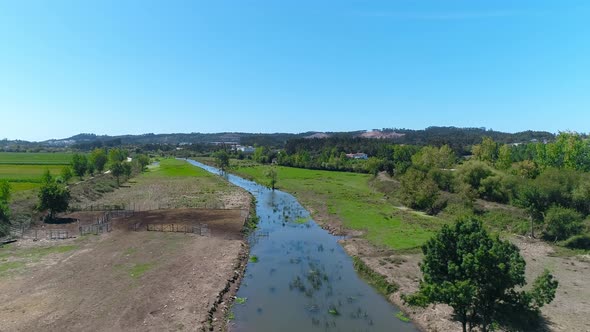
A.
x: 303, y: 280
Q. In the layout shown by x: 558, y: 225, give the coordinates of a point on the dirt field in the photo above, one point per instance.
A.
x: 127, y: 280
x: 123, y: 280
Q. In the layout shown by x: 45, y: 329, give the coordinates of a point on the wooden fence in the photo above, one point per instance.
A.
x: 201, y: 229
x: 96, y: 228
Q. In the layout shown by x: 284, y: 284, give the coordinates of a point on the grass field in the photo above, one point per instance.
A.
x: 35, y: 158
x: 174, y: 184
x: 177, y: 168
x: 23, y: 170
x: 350, y: 198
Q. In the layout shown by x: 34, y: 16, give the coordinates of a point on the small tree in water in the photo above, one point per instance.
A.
x: 271, y: 174
x: 477, y: 275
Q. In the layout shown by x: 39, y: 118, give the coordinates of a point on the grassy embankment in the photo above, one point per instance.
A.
x: 23, y: 170
x: 349, y: 198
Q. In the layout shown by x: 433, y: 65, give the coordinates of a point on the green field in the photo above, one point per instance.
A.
x: 176, y: 168
x: 35, y: 158
x: 350, y: 198
x: 23, y: 170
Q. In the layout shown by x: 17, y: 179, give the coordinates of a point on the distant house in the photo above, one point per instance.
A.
x: 245, y: 149
x: 359, y: 155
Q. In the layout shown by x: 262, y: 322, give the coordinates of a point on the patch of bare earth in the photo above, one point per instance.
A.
x: 134, y: 280
x: 127, y: 280
x: 570, y: 310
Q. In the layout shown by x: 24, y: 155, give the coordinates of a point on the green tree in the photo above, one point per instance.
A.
x: 430, y: 157
x: 142, y: 160
x: 477, y: 275
x: 117, y: 170
x: 504, y: 157
x: 127, y: 169
x: 4, y: 207
x: 473, y: 172
x: 98, y: 157
x: 418, y: 191
x: 221, y: 159
x: 116, y: 156
x: 66, y: 174
x: 53, y: 196
x: 90, y: 168
x: 561, y: 223
x: 5, y: 191
x: 535, y: 201
x: 526, y: 169
x: 487, y: 151
x: 79, y: 164
x: 271, y: 174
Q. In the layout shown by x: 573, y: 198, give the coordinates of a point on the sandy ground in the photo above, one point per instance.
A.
x: 100, y: 285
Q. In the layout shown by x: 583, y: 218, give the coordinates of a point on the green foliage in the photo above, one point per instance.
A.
x: 473, y: 172
x: 221, y: 159
x: 578, y: 242
x: 4, y: 207
x: 561, y: 223
x: 98, y: 157
x: 127, y: 169
x: 53, y: 196
x: 66, y: 174
x: 116, y: 156
x: 487, y: 151
x: 476, y: 274
x: 504, y: 157
x: 373, y: 278
x: 401, y: 316
x: 5, y: 190
x: 543, y: 291
x: 526, y: 169
x: 569, y: 151
x: 142, y: 161
x: 430, y: 157
x: 418, y: 191
x: 117, y: 170
x: 79, y: 164
x: 271, y: 174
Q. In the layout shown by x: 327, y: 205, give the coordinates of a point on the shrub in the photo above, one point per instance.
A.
x: 561, y: 223
x: 578, y: 242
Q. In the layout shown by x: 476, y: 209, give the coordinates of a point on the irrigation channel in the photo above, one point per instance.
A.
x: 299, y: 278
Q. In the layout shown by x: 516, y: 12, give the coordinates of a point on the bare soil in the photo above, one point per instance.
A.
x: 126, y: 280
x: 131, y: 280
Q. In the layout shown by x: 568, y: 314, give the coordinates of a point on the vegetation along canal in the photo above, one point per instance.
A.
x: 299, y: 278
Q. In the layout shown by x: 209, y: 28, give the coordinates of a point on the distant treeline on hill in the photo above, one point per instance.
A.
x: 459, y: 139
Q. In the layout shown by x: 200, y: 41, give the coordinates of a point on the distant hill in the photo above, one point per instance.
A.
x: 430, y: 136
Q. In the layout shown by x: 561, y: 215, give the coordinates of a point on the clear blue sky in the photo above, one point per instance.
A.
x: 116, y: 67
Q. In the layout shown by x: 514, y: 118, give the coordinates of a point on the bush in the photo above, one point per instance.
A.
x: 561, y: 223
x: 473, y: 172
x: 578, y: 242
x: 420, y: 192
